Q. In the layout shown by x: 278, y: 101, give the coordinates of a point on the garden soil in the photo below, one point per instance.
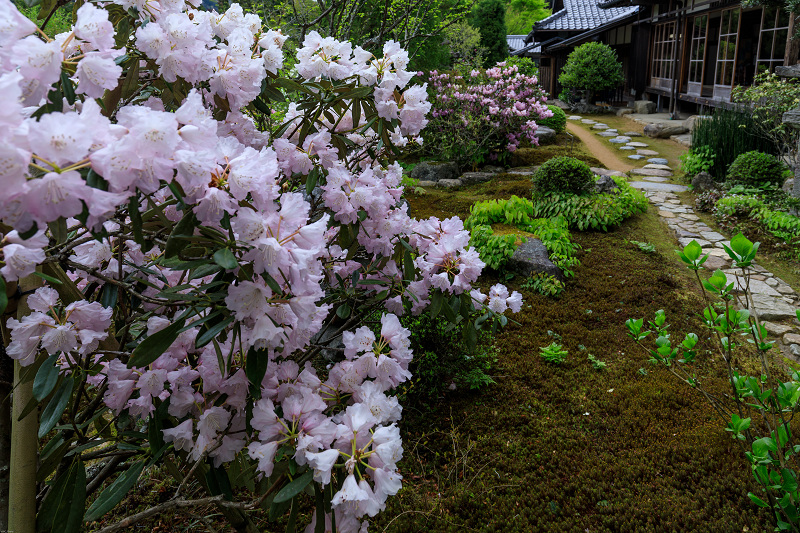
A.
x: 599, y: 150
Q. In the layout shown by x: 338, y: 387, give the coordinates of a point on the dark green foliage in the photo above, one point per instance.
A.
x: 522, y: 14
x: 757, y: 169
x: 495, y: 250
x: 489, y: 18
x: 524, y: 64
x: 441, y: 358
x: 591, y: 212
x: 592, y: 67
x: 564, y: 175
x: 728, y: 134
x: 557, y: 122
x: 781, y: 225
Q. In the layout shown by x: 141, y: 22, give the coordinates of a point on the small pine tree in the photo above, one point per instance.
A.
x: 489, y: 18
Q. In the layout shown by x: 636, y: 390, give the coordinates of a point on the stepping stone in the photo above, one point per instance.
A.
x: 469, y: 178
x: 658, y: 161
x: 574, y: 117
x: 661, y: 187
x: 639, y: 145
x: 588, y: 121
x: 620, y: 140
x: 715, y: 263
x: 599, y: 126
x: 760, y: 288
x: 636, y: 157
x: 650, y: 171
x: 703, y: 243
x: 769, y: 308
x: 690, y: 217
x: 607, y: 133
x: 611, y: 130
x: 657, y: 179
x: 666, y: 214
x: 646, y: 152
x: 632, y: 134
x: 657, y: 167
x: 776, y: 329
x: 712, y: 236
x: 627, y: 147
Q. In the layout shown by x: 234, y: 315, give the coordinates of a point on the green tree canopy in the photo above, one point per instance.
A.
x: 522, y: 14
x: 489, y: 18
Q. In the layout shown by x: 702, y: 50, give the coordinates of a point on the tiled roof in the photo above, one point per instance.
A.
x: 531, y: 49
x: 515, y: 42
x: 580, y: 15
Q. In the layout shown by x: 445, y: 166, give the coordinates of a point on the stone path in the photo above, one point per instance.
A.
x: 773, y: 299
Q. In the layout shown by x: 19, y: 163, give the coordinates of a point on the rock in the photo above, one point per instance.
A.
x: 647, y: 152
x: 769, y: 308
x: 632, y: 134
x: 600, y: 171
x: 636, y: 157
x: 644, y: 107
x: 490, y: 168
x: 523, y: 171
x: 691, y: 122
x: 545, y: 134
x: 658, y: 166
x: 588, y: 121
x: 788, y: 186
x: 607, y: 133
x: 434, y: 171
x: 712, y: 236
x: 599, y: 126
x: 658, y: 161
x: 715, y: 262
x: 468, y: 178
x: 559, y: 103
x: 794, y: 349
x: 637, y: 144
x: 666, y: 214
x: 659, y: 187
x: 531, y: 257
x: 776, y: 329
x: 791, y: 338
x: 574, y: 117
x: 624, y: 111
x: 661, y: 130
x: 426, y: 183
x: 620, y: 140
x: 605, y: 185
x: 683, y: 140
x: 651, y: 172
x: 704, y: 182
x: 449, y: 184
x: 685, y: 242
x: 627, y: 147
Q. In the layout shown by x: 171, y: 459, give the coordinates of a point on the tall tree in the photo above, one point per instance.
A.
x: 489, y: 18
x: 522, y: 14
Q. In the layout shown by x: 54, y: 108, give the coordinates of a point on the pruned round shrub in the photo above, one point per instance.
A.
x: 564, y: 174
x: 557, y: 122
x: 756, y: 169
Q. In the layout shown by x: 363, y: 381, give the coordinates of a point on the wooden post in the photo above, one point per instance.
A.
x: 792, y: 44
x: 24, y: 439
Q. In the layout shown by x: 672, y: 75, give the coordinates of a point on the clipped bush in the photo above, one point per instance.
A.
x: 592, y: 67
x: 757, y: 169
x: 564, y: 175
x: 557, y: 122
x: 525, y: 65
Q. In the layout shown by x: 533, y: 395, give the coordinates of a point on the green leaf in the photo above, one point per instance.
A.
x: 114, y: 493
x: 51, y: 279
x: 206, y: 336
x: 136, y: 221
x: 62, y: 508
x: 343, y: 311
x: 758, y: 501
x: 176, y: 240
x: 3, y: 296
x: 741, y: 245
x: 225, y: 259
x: 52, y: 413
x: 293, y: 488
x: 58, y: 228
x: 156, y: 344
x: 692, y: 251
x: 46, y: 378
x: 311, y: 180
x: 66, y: 86
x: 256, y: 367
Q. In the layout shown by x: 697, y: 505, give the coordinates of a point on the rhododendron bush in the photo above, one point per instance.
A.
x: 483, y: 116
x: 217, y: 295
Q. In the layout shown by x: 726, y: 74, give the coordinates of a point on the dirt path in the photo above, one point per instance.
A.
x: 599, y: 150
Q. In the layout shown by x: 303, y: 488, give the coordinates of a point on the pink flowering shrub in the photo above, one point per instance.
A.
x: 218, y: 293
x: 481, y: 117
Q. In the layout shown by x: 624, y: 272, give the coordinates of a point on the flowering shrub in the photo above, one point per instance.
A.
x: 481, y: 118
x: 197, y: 266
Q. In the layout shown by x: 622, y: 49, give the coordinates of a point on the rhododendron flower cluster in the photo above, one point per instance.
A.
x: 206, y: 264
x: 498, y: 106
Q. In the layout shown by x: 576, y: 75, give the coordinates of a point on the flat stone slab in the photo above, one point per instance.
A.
x: 632, y: 134
x: 468, y: 178
x: 777, y: 329
x: 712, y: 236
x: 646, y: 152
x: 639, y: 144
x: 769, y: 308
x: 626, y: 147
x: 666, y: 214
x: 574, y: 117
x: 449, y: 184
x: 757, y: 288
x: 657, y: 179
x: 658, y: 166
x: 703, y: 243
x: 636, y: 157
x: 607, y: 133
x: 651, y: 172
x: 599, y: 126
x: 659, y: 187
x: 715, y: 262
x: 620, y: 140
x: 658, y: 161
x: 588, y: 121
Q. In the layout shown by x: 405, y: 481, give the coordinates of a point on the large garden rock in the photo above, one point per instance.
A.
x: 605, y: 185
x: 531, y: 257
x: 434, y: 171
x: 449, y: 184
x: 704, y: 182
x: 788, y: 186
x: 644, y: 107
x: 624, y: 111
x: 545, y: 135
x: 660, y: 130
x: 691, y: 122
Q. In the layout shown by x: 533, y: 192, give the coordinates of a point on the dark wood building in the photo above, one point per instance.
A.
x: 693, y: 51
